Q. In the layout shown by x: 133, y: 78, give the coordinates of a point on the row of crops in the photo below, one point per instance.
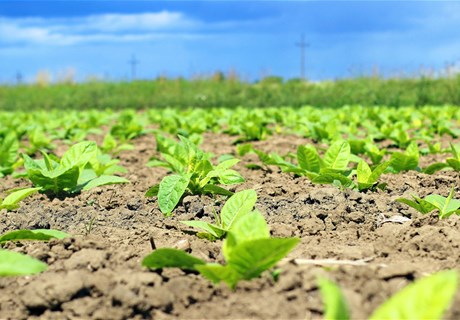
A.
x: 352, y: 147
x: 222, y: 90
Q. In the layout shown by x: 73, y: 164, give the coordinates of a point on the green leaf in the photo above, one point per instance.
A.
x: 418, y: 204
x: 79, y: 154
x: 249, y: 227
x: 104, y: 180
x: 427, y: 298
x: 453, y: 163
x: 171, y: 258
x: 251, y: 258
x: 12, y: 200
x: 308, y: 158
x: 227, y: 164
x: 17, y: 264
x: 57, y: 182
x: 214, y: 189
x: 37, y: 234
x: 240, y: 204
x: 335, y: 306
x: 214, y: 230
x: 363, y: 172
x: 153, y: 191
x: 171, y: 190
x: 337, y: 156
x: 217, y: 273
x: 446, y: 206
x: 435, y: 167
x: 406, y: 161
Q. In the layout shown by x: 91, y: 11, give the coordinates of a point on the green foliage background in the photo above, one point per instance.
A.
x: 232, y: 92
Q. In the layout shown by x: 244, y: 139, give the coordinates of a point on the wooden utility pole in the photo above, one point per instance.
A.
x: 133, y: 62
x: 19, y: 77
x: 302, y: 45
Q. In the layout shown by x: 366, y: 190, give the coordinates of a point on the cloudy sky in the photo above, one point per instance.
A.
x: 254, y: 38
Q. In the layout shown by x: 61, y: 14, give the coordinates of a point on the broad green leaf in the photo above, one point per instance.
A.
x: 79, y: 154
x: 435, y: 167
x: 418, y: 204
x: 171, y: 190
x: 453, y: 163
x: 177, y: 165
x: 153, y: 191
x: 406, y: 161
x: 427, y: 298
x: 240, y: 204
x: 229, y: 177
x: 217, y: 273
x: 63, y: 182
x: 214, y: 189
x: 248, y: 227
x: 104, y: 180
x: 335, y: 306
x: 446, y: 206
x: 329, y: 177
x: 9, y: 147
x: 337, y: 156
x: 363, y: 172
x: 308, y: 158
x: 18, y: 264
x: 251, y: 258
x: 171, y: 258
x: 227, y: 164
x: 37, y: 234
x: 208, y: 227
x: 12, y: 200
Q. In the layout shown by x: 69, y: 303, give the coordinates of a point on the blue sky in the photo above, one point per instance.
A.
x: 254, y: 38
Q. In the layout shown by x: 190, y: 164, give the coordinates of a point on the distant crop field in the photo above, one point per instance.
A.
x: 181, y: 208
x: 231, y: 92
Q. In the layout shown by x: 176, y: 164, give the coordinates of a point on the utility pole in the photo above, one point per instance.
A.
x: 302, y: 45
x: 18, y: 78
x: 133, y: 62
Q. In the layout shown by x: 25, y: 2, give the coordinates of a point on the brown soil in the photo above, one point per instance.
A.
x: 96, y: 274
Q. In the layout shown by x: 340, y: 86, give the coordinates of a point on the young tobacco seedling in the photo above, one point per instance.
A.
x: 11, y: 201
x: 405, y: 161
x: 426, y: 298
x: 445, y: 206
x: 70, y: 174
x: 367, y: 178
x: 194, y: 173
x: 236, y: 207
x: 17, y: 264
x: 331, y: 169
x: 451, y: 163
x: 248, y: 251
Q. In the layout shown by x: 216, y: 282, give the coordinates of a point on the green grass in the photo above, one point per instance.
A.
x: 222, y: 92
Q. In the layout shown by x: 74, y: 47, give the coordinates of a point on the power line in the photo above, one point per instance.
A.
x: 133, y: 62
x: 302, y: 44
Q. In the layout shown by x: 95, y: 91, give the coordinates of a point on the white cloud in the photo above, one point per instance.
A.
x: 95, y: 28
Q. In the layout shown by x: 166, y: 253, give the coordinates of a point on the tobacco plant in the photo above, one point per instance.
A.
x: 445, y: 206
x: 236, y: 207
x: 78, y: 169
x: 426, y: 298
x: 17, y: 264
x: 11, y: 201
x: 193, y: 172
x: 248, y: 251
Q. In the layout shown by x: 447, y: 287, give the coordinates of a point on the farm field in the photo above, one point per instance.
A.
x: 334, y: 178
